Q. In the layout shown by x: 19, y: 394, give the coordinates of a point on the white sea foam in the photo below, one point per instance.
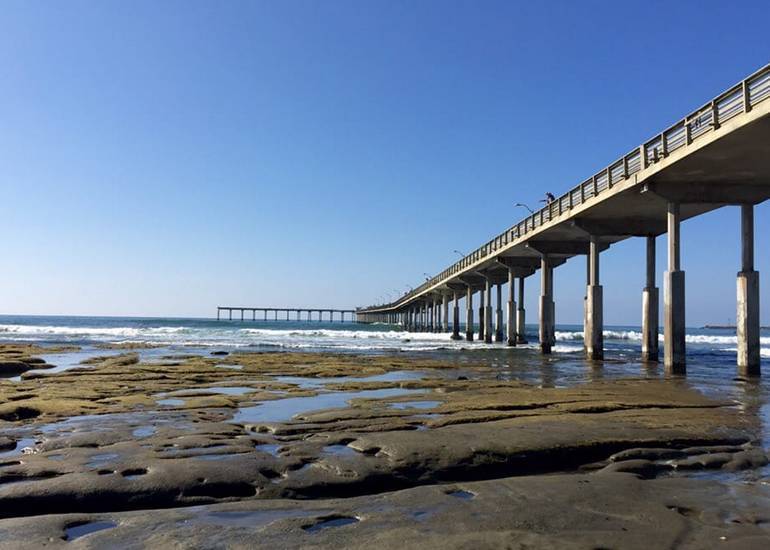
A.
x: 303, y: 337
x: 633, y: 335
x: 86, y: 331
x: 608, y: 335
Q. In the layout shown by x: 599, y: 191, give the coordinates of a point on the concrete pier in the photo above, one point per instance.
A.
x: 286, y: 313
x: 499, y: 336
x: 469, y: 314
x: 488, y: 327
x: 482, y: 315
x: 521, y: 316
x: 547, y: 307
x: 712, y: 157
x: 747, y: 317
x: 594, y: 327
x: 650, y: 302
x: 456, y: 316
x: 674, y: 310
x: 511, y: 317
x: 445, y: 313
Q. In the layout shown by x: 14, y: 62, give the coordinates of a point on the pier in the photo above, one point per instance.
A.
x: 716, y: 156
x: 284, y: 314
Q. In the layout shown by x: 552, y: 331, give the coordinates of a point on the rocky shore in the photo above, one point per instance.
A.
x: 320, y: 450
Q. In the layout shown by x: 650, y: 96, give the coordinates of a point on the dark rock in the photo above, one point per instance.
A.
x: 647, y: 454
x: 754, y: 458
x: 703, y: 462
x: 13, y: 368
x: 644, y: 468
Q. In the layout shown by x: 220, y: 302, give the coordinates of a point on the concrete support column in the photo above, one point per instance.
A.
x: 594, y: 327
x: 521, y: 317
x: 499, y: 314
x: 547, y: 309
x: 673, y: 292
x: 747, y: 317
x: 456, y: 317
x: 469, y: 314
x: 488, y: 327
x: 482, y: 315
x: 511, y: 317
x: 445, y: 314
x: 650, y: 308
x: 437, y: 313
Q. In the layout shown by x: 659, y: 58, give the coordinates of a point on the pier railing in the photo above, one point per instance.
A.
x: 738, y: 99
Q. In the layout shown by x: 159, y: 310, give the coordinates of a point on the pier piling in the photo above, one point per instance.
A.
x: 674, y: 308
x: 650, y: 300
x: 747, y: 318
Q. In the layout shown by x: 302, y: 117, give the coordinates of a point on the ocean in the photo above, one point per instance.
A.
x: 622, y: 341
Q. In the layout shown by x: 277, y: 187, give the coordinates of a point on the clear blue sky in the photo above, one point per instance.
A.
x: 160, y: 158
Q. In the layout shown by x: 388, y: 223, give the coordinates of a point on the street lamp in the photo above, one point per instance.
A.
x: 525, y: 206
x: 460, y: 253
x: 427, y: 277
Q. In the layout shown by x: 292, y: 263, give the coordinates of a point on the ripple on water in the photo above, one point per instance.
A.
x: 95, y: 461
x: 143, y: 431
x: 269, y: 448
x: 221, y: 390
x: 282, y: 410
x: 310, y: 382
x: 339, y: 450
x: 21, y: 445
x: 330, y: 521
x: 416, y: 405
x: 81, y: 529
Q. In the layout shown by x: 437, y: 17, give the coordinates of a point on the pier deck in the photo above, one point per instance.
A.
x: 716, y: 156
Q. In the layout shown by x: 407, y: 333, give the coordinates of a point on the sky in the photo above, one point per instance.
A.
x: 163, y: 158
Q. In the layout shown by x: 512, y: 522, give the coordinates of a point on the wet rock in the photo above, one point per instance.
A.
x: 647, y: 454
x: 744, y: 460
x: 709, y: 461
x: 706, y: 449
x: 13, y: 368
x: 644, y: 468
x: 6, y: 443
x: 121, y: 360
x: 560, y: 511
x: 220, y: 352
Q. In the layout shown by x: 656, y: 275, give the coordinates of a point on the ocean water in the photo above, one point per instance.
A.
x: 318, y: 336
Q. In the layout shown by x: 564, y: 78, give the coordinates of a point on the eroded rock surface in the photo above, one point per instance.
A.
x: 119, y: 435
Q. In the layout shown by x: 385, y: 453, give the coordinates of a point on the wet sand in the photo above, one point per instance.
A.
x: 296, y: 450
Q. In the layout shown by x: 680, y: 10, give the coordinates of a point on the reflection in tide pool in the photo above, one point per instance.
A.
x: 282, y: 410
